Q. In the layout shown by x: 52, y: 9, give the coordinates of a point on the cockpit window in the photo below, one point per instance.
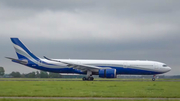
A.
x: 164, y: 65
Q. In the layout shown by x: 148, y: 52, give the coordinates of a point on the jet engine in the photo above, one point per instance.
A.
x: 107, y: 73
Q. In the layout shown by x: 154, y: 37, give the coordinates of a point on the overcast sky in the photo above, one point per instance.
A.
x: 92, y: 29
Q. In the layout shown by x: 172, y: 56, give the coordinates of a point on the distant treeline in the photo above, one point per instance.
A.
x: 37, y: 74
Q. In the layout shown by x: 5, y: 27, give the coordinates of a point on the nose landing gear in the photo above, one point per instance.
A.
x: 154, y: 78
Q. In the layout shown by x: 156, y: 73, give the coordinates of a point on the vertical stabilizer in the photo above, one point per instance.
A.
x: 23, y: 52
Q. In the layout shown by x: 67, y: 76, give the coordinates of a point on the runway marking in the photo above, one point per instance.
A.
x: 96, y: 98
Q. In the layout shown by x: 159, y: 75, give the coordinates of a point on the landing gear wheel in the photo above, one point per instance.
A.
x: 90, y: 78
x: 153, y: 79
x: 84, y: 79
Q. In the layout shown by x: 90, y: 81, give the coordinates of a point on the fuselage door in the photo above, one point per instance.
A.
x: 156, y: 67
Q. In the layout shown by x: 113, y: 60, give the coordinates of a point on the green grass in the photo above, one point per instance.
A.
x: 90, y: 89
x: 75, y: 100
x: 36, y: 79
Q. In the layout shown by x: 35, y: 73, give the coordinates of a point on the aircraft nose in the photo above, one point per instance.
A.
x: 168, y: 69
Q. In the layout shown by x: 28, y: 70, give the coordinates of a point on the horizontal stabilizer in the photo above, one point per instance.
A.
x: 24, y: 62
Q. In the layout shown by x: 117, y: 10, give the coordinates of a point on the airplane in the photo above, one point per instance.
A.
x: 103, y: 68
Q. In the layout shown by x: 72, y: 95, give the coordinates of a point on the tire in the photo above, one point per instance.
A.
x: 153, y: 79
x: 92, y: 78
x: 89, y: 78
x: 84, y: 79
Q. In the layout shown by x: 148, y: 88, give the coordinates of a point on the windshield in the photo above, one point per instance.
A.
x: 164, y: 65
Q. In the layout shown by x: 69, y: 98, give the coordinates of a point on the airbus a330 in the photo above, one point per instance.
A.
x: 103, y: 68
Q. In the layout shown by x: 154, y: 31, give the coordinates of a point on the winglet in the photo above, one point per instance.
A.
x: 46, y: 58
x: 55, y: 60
x: 51, y: 59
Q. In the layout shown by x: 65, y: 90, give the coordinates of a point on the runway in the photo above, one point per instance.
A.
x: 86, y: 98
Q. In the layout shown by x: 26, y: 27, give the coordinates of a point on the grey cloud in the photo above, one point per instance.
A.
x: 71, y: 26
x: 120, y: 8
x: 48, y: 4
x: 153, y: 5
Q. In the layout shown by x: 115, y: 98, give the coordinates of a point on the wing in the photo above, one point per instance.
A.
x: 81, y: 67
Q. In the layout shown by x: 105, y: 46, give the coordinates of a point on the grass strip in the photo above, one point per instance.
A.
x: 90, y: 89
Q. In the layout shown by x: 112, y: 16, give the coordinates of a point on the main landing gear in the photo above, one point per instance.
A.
x: 88, y: 77
x: 154, y: 78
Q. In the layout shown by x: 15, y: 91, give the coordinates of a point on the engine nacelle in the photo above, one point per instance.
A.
x: 107, y: 73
